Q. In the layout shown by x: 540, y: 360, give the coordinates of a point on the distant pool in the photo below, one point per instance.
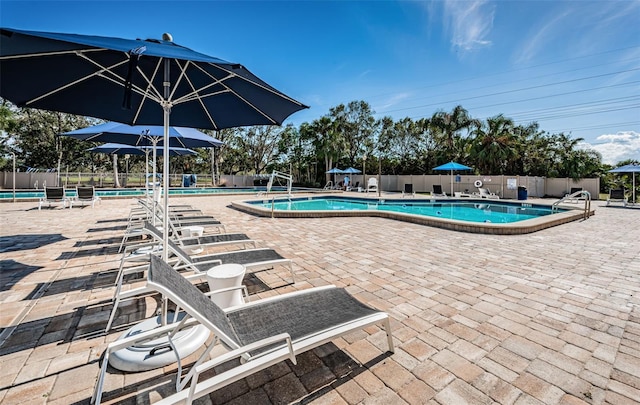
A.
x: 26, y: 195
x: 469, y: 215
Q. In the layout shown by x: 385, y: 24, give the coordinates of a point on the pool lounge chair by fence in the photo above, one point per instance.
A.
x: 372, y: 185
x: 485, y: 193
x: 617, y: 196
x: 437, y: 191
x: 54, y: 195
x: 85, y: 195
x: 261, y: 333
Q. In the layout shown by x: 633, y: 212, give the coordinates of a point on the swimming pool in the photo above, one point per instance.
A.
x: 469, y: 215
x: 26, y: 195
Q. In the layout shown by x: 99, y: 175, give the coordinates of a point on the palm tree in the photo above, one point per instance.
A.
x: 446, y: 128
x: 495, y: 146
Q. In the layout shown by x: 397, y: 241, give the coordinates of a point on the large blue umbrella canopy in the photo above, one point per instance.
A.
x: 451, y: 166
x: 134, y: 81
x: 149, y: 82
x: 630, y: 168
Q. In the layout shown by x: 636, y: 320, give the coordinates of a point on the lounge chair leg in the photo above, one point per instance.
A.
x: 97, y: 392
x: 293, y: 277
x: 387, y: 329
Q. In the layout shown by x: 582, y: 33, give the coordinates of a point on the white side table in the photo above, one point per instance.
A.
x: 225, y: 276
x: 193, y: 231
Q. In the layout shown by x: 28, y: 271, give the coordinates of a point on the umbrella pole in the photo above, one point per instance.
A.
x: 451, y: 175
x: 154, y: 198
x: 146, y: 174
x: 165, y: 153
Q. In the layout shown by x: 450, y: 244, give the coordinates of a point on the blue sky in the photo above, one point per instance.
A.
x: 572, y: 66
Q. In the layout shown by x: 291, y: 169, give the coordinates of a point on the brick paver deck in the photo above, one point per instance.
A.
x: 551, y: 317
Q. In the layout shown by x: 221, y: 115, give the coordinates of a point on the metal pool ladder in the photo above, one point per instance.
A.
x: 575, y: 196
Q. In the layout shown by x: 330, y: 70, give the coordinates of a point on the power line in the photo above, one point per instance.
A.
x: 513, y: 91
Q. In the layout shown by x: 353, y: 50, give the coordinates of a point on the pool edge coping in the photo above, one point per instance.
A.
x: 515, y: 228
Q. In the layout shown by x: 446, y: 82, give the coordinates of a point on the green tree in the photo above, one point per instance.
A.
x: 446, y: 129
x: 495, y: 146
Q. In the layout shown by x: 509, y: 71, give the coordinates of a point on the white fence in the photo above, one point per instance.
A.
x: 503, y: 185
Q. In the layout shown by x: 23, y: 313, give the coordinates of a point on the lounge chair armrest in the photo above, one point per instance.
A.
x: 127, y: 342
x: 197, y: 390
x: 198, y: 262
x: 235, y: 287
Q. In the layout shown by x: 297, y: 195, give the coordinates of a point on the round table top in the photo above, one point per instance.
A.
x: 228, y: 270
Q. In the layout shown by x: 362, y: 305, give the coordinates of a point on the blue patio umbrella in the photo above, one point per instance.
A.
x: 149, y: 82
x: 451, y: 166
x: 145, y: 136
x: 351, y: 170
x: 121, y: 149
x: 334, y: 171
x: 630, y: 168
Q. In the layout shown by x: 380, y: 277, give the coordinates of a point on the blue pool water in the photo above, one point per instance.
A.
x: 470, y: 211
x: 138, y: 192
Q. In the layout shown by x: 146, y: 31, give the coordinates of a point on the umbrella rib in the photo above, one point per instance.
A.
x: 99, y: 73
x: 150, y: 91
x: 267, y: 88
x: 221, y: 82
x: 38, y: 55
x: 194, y: 95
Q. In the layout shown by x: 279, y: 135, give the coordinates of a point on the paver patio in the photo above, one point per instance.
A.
x: 551, y: 317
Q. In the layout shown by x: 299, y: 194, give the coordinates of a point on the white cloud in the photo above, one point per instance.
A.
x: 469, y: 23
x: 617, y: 147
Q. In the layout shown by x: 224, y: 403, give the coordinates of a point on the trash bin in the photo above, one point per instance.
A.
x: 522, y: 193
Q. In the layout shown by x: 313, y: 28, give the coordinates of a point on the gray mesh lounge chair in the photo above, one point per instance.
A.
x: 408, y: 190
x: 261, y: 333
x: 85, y: 195
x: 437, y: 191
x: 196, y: 266
x: 617, y: 196
x: 53, y: 195
x: 134, y: 227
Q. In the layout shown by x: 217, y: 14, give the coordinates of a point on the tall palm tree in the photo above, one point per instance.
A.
x: 495, y: 146
x: 446, y: 128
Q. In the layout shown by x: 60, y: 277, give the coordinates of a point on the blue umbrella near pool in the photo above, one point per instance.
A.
x: 351, y: 170
x: 120, y: 149
x: 149, y: 82
x: 630, y: 168
x: 451, y: 166
x: 145, y: 136
x: 334, y: 171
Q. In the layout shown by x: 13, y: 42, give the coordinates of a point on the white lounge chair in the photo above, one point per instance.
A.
x: 196, y: 266
x: 261, y: 333
x: 372, y: 185
x: 485, y: 193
